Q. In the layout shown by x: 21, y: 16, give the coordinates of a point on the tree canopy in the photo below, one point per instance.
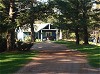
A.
x: 72, y: 15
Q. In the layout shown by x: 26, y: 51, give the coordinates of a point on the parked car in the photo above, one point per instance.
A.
x: 91, y: 39
x: 51, y: 38
x: 44, y: 38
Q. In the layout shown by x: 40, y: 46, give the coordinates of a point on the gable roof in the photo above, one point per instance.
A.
x: 38, y: 27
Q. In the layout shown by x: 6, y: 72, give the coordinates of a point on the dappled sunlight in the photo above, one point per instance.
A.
x: 81, y: 60
x: 88, y: 48
x: 92, y: 53
x: 55, y: 60
x: 81, y: 55
x: 40, y: 47
x: 96, y: 55
x: 90, y: 69
x: 33, y: 64
x: 6, y: 60
x: 37, y: 58
x: 65, y: 60
x: 55, y: 46
x: 59, y: 53
x: 10, y: 62
x: 45, y: 58
x: 57, y: 66
x: 19, y: 65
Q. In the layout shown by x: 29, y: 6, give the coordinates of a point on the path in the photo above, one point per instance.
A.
x: 57, y: 59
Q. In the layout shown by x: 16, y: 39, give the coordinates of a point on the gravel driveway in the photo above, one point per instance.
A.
x: 57, y: 59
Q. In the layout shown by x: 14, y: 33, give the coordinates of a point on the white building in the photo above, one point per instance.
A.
x: 42, y: 32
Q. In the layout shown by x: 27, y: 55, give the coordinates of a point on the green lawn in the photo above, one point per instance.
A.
x: 10, y: 62
x: 93, y: 51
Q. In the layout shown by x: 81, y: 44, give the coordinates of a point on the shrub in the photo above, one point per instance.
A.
x: 23, y: 46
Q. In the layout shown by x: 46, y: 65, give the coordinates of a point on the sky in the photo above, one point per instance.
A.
x: 42, y: 0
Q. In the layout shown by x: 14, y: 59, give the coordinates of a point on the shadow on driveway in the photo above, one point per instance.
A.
x: 57, y: 59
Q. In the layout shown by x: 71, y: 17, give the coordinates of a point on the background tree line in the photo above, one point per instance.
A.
x: 69, y: 15
x: 16, y: 13
x: 77, y: 16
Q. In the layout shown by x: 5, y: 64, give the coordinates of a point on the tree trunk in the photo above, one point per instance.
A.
x: 32, y: 22
x: 11, y: 32
x: 85, y: 35
x: 32, y: 33
x: 77, y: 35
x: 67, y: 34
x: 11, y: 39
x: 85, y: 22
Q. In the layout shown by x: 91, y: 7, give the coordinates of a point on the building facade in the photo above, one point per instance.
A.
x: 42, y: 32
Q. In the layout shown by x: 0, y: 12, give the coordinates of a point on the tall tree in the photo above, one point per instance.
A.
x: 7, y: 21
x: 4, y: 9
x: 10, y: 34
x: 35, y: 11
x: 78, y: 12
x: 86, y: 6
x: 70, y: 11
x: 11, y: 31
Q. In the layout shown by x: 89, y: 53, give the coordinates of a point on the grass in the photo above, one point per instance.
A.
x: 93, y: 51
x: 10, y: 62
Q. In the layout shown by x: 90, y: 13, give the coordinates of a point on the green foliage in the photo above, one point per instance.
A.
x: 72, y: 35
x: 74, y: 15
x: 10, y: 62
x: 3, y: 16
x: 5, y: 21
x: 33, y: 12
x: 73, y: 11
x: 23, y: 46
x: 27, y: 39
x: 96, y: 19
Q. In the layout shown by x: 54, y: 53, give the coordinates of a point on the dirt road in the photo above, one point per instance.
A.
x: 57, y: 59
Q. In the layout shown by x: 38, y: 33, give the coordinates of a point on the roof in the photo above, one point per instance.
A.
x: 38, y: 27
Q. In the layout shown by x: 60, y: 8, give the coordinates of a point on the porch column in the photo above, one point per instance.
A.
x: 41, y: 36
x: 60, y: 34
x: 57, y: 34
x: 49, y: 26
x: 38, y: 36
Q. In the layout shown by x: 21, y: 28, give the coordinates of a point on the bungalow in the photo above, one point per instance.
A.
x: 42, y: 32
